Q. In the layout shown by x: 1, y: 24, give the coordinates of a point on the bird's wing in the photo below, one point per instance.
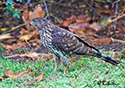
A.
x: 70, y: 43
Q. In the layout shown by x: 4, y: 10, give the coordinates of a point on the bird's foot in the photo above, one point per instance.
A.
x: 65, y: 70
x: 55, y: 68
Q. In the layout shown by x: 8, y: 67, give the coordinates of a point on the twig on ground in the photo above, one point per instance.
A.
x: 116, y: 12
x: 18, y: 26
x: 47, y: 13
x: 28, y: 2
x: 115, y: 19
x: 117, y: 40
x: 18, y: 4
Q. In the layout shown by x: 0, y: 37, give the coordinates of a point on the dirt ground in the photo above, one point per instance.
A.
x: 64, y: 9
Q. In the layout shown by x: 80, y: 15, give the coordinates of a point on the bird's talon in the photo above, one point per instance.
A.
x: 55, y: 68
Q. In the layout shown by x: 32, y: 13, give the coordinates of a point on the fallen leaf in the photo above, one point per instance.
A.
x: 78, y: 28
x: 42, y: 87
x: 25, y: 18
x: 101, y: 41
x: 50, y: 58
x: 37, y: 40
x: 5, y: 36
x: 1, y: 78
x: 38, y: 12
x: 73, y: 59
x: 123, y: 52
x: 14, y: 46
x: 4, y: 29
x: 10, y: 74
x: 28, y: 16
x: 93, y: 34
x: 117, y: 40
x: 95, y: 26
x: 7, y: 46
x: 39, y: 78
x: 23, y: 31
x: 104, y: 11
x: 69, y: 20
x: 82, y: 18
x: 32, y: 55
x: 116, y: 55
x: 11, y: 40
x: 28, y: 36
x: 25, y: 37
x: 123, y: 29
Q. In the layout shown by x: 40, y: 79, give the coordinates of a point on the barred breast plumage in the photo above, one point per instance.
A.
x: 63, y: 44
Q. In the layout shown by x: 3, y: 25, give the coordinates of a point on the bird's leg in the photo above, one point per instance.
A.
x: 65, y: 70
x: 55, y: 68
x: 57, y: 62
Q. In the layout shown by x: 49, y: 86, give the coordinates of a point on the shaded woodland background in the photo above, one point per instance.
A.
x: 100, y: 23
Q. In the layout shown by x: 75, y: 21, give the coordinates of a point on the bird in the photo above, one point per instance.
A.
x: 63, y: 44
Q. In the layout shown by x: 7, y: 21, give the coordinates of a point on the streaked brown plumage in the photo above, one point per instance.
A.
x: 63, y: 44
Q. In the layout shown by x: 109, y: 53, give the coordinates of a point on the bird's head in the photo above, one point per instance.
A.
x: 39, y: 22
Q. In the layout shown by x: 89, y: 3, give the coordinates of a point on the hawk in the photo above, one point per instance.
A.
x: 63, y: 44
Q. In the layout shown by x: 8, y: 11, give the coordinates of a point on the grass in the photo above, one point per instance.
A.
x: 84, y: 73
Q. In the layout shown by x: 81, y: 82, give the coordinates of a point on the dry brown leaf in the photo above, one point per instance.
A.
x: 102, y: 41
x: 116, y: 55
x: 37, y: 40
x: 25, y: 37
x: 73, y: 59
x: 32, y: 55
x: 50, y: 58
x: 123, y: 52
x: 11, y: 40
x: 7, y: 46
x: 28, y: 36
x: 79, y: 28
x: 25, y: 18
x: 123, y: 29
x: 28, y: 16
x: 39, y: 78
x: 38, y: 12
x: 1, y: 78
x: 35, y: 34
x: 5, y: 36
x: 95, y: 26
x: 69, y: 20
x: 93, y: 34
x: 42, y: 87
x: 117, y: 40
x: 14, y: 46
x: 10, y: 74
x: 66, y: 23
x: 23, y: 31
x: 104, y: 11
x: 81, y: 18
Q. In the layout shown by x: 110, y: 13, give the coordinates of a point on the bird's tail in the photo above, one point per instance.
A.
x: 109, y: 59
x: 105, y: 57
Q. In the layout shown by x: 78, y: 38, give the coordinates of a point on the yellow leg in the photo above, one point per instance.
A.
x: 65, y: 70
x: 55, y: 68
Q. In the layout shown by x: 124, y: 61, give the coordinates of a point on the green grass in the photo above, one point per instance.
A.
x: 84, y: 73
